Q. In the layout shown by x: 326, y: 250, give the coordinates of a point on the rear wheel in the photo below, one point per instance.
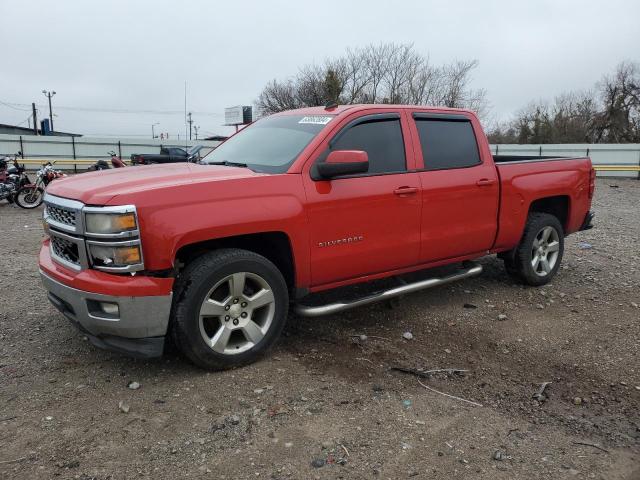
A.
x: 536, y: 260
x: 29, y: 197
x: 230, y: 306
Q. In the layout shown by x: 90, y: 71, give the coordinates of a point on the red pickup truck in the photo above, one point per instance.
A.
x: 215, y: 254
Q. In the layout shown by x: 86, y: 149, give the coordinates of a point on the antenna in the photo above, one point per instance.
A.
x: 186, y: 146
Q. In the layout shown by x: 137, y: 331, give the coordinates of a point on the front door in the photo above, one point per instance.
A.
x: 367, y: 223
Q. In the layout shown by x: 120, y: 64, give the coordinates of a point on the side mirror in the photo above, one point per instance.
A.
x: 344, y: 162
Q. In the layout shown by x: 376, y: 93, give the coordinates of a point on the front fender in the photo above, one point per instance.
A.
x: 174, y: 218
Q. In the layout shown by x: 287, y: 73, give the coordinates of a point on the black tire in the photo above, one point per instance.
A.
x: 519, y: 262
x: 194, y: 285
x: 29, y: 197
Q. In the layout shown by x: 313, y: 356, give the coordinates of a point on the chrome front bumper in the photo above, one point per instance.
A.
x: 138, y: 328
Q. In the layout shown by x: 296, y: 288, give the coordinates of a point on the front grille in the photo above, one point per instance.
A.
x: 65, y: 250
x: 62, y: 215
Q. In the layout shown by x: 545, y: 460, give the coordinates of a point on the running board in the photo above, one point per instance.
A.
x: 307, y: 311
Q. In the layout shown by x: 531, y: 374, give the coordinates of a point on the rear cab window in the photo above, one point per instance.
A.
x: 447, y: 141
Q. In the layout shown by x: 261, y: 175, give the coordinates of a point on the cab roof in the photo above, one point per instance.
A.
x: 365, y: 106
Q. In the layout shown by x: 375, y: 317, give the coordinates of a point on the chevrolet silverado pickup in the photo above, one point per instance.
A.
x: 215, y: 255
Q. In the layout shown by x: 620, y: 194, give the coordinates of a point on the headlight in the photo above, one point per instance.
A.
x: 110, y: 223
x: 115, y: 256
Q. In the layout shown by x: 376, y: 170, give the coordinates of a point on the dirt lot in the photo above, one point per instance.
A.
x: 325, y: 404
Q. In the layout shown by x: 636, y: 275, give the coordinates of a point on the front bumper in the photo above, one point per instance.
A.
x: 138, y: 328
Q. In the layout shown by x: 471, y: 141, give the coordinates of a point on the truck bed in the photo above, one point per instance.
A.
x: 527, y: 158
x: 523, y: 179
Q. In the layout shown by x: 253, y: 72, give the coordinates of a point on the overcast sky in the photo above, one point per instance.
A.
x: 114, y: 56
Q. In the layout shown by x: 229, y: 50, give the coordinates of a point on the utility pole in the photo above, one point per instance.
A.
x: 49, y: 95
x: 190, y: 122
x: 153, y: 133
x: 196, y: 128
x: 35, y: 118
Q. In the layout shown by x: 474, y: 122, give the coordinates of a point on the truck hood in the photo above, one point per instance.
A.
x: 99, y: 188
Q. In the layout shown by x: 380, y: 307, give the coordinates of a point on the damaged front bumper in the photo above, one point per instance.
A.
x: 135, y: 326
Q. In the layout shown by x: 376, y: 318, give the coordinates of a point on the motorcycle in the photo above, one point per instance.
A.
x: 31, y: 195
x: 116, y: 162
x: 11, y: 178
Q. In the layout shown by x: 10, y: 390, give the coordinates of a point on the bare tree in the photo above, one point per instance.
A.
x: 309, y: 85
x: 355, y: 74
x: 619, y: 120
x: 384, y: 73
x: 612, y: 115
x: 574, y: 114
x: 455, y: 89
x: 278, y: 96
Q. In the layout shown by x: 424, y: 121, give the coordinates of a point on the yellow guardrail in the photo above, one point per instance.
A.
x: 617, y: 168
x: 63, y: 161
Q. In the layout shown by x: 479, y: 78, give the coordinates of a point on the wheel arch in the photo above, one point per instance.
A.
x: 273, y: 245
x: 558, y: 206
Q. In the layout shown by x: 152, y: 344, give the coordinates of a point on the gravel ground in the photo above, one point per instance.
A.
x: 325, y: 403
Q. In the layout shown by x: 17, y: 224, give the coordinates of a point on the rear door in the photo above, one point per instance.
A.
x: 367, y: 223
x: 460, y: 189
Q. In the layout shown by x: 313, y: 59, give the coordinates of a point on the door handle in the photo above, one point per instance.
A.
x: 405, y: 191
x: 485, y: 182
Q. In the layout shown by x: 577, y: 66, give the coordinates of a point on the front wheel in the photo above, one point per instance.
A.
x: 536, y: 260
x: 29, y: 197
x: 230, y: 306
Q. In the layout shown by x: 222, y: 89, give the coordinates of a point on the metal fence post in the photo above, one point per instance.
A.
x: 540, y: 154
x: 73, y: 146
x: 21, y: 147
x: 119, y: 150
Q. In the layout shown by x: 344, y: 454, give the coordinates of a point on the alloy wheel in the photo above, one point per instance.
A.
x: 236, y: 313
x: 544, y: 251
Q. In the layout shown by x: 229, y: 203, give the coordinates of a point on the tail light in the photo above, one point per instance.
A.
x: 592, y: 182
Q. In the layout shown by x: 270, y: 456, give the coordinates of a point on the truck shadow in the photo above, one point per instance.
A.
x: 457, y: 326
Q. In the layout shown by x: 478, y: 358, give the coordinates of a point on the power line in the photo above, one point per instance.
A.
x: 12, y: 105
x: 24, y: 121
x: 113, y: 110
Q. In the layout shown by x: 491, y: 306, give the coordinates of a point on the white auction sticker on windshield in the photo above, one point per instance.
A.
x: 316, y: 120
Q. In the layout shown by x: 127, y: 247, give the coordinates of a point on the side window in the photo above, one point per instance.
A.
x: 382, y: 140
x: 447, y: 144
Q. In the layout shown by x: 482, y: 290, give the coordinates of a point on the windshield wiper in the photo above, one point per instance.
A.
x: 229, y: 164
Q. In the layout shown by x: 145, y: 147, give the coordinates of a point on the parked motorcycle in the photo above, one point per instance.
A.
x: 11, y: 178
x: 31, y: 195
x: 116, y: 162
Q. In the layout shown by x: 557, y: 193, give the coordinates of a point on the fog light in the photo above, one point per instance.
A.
x: 110, y: 308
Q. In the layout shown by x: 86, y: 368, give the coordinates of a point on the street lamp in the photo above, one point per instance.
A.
x: 153, y: 133
x: 49, y: 95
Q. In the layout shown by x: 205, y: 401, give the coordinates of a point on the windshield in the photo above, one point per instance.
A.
x: 271, y: 144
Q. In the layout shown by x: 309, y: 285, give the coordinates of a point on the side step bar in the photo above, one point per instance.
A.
x: 307, y: 311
